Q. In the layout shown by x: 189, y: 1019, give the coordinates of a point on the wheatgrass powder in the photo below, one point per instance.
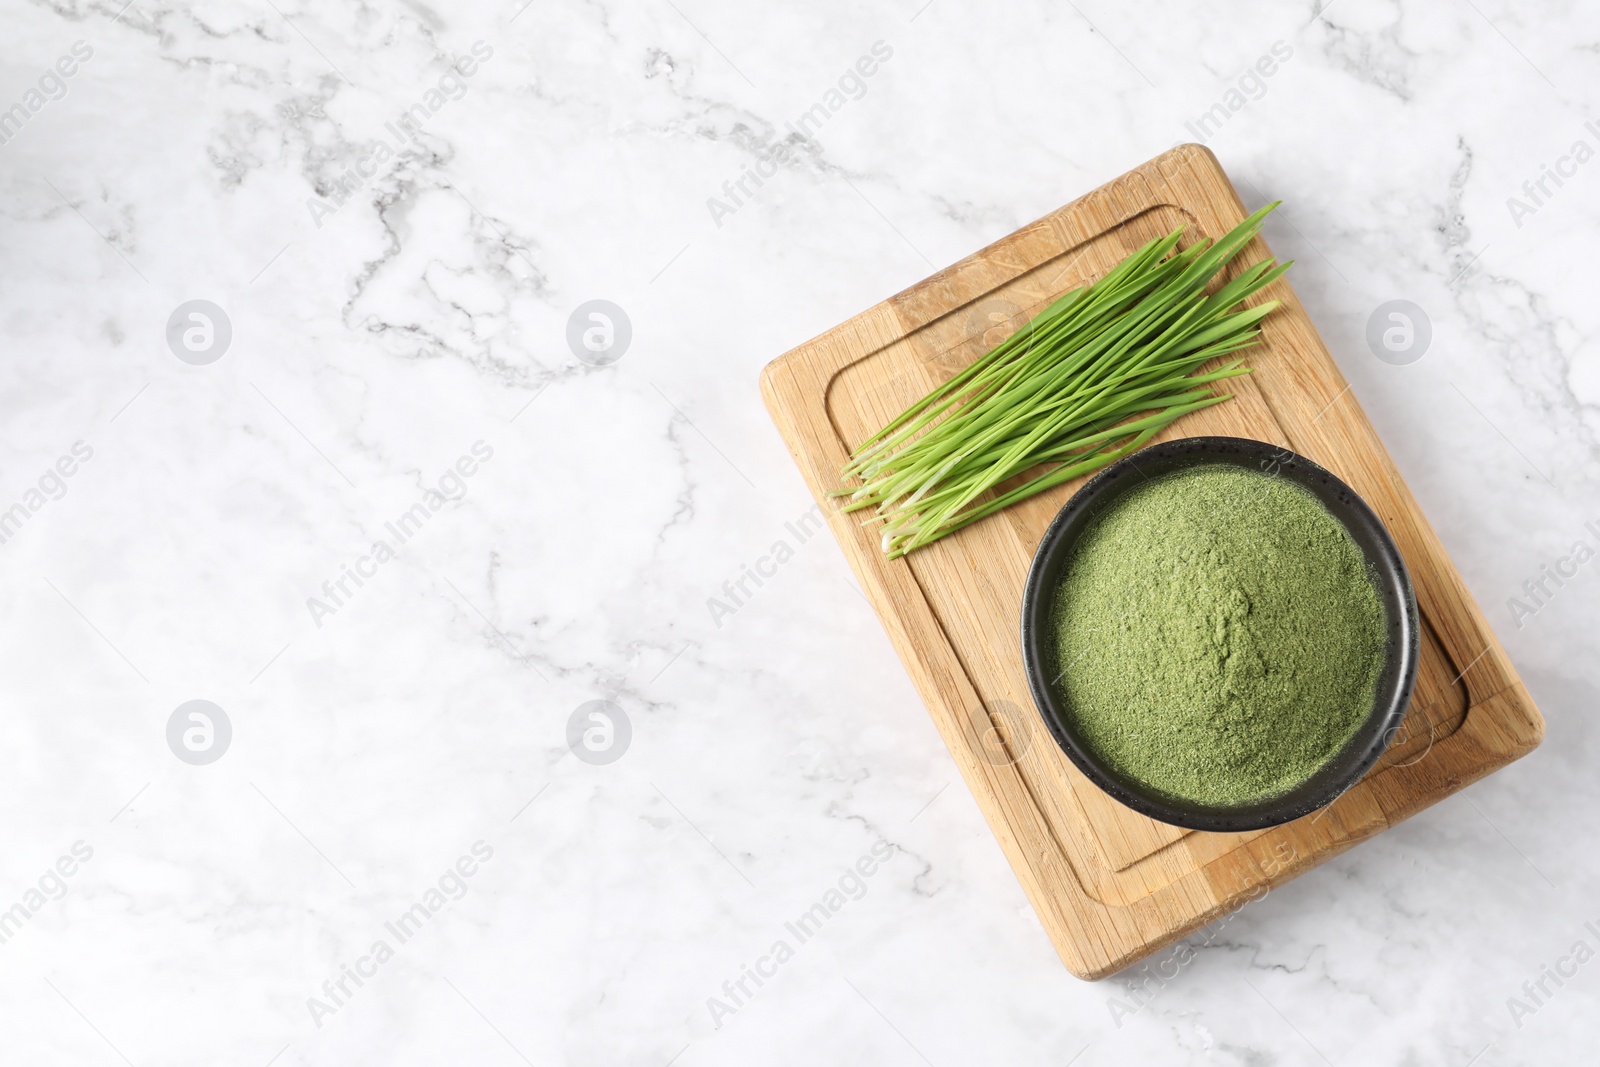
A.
x: 1219, y: 637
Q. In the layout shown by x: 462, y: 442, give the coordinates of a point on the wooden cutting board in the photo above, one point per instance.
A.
x: 1110, y: 885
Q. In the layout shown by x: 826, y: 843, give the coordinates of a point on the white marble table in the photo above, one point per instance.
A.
x: 393, y: 211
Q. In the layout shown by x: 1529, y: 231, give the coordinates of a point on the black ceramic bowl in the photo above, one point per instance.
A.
x: 1388, y: 571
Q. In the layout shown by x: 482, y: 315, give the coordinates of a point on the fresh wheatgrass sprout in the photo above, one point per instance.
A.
x: 1090, y: 379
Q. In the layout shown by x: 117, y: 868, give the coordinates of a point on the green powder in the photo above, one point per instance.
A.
x: 1218, y: 635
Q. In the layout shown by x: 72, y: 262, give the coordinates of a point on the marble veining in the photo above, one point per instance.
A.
x: 400, y: 243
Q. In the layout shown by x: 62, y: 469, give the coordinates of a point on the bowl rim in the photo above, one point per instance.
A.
x: 1397, y: 678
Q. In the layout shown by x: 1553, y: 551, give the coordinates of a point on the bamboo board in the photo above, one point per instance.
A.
x: 1110, y: 885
